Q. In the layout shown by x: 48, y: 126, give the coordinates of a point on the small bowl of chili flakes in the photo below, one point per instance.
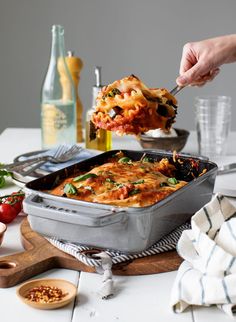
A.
x: 47, y: 294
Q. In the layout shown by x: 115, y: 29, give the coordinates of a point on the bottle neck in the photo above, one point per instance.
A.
x: 58, y: 84
x: 58, y: 42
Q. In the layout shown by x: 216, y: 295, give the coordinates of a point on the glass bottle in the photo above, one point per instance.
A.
x: 103, y: 139
x: 58, y: 103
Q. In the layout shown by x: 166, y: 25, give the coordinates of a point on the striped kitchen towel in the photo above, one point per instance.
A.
x: 208, y: 274
x: 165, y: 244
x: 105, y: 259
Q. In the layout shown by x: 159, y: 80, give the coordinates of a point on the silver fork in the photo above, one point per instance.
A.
x: 62, y: 154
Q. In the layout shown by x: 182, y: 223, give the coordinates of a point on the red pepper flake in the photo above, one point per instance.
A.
x: 45, y: 294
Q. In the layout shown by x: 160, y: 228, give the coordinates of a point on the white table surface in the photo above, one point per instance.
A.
x: 137, y: 298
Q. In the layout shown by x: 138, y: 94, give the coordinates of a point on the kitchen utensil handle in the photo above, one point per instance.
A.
x: 228, y: 168
x: 20, y: 164
x: 36, y: 206
x: 25, y: 173
x: 176, y: 89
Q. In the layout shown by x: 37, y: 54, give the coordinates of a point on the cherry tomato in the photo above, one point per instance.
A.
x: 15, y: 201
x: 7, y: 213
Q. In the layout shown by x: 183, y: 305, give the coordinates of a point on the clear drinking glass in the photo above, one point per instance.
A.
x: 213, y: 120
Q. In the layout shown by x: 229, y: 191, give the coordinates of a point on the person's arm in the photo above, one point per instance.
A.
x: 201, y: 60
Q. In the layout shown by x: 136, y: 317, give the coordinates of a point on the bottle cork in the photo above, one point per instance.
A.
x: 75, y: 65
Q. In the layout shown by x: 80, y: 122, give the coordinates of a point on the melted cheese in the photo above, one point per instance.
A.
x: 132, y: 184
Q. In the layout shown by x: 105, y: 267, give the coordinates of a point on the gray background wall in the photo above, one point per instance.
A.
x: 123, y: 36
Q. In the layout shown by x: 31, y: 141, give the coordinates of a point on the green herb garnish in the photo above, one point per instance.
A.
x: 134, y: 192
x: 2, y: 182
x: 85, y: 177
x: 125, y: 160
x: 119, y: 185
x: 172, y: 181
x: 112, y: 93
x: 4, y: 173
x: 138, y: 181
x: 70, y: 189
x: 147, y: 159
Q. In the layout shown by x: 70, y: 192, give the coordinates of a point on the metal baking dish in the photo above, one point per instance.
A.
x: 128, y: 229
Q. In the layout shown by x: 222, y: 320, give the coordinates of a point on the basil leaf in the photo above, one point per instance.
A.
x: 119, y: 185
x: 112, y: 93
x: 138, y: 181
x: 125, y: 160
x: 134, y: 192
x: 2, y: 181
x: 147, y: 159
x: 85, y: 177
x: 172, y: 181
x: 70, y: 189
x: 5, y: 173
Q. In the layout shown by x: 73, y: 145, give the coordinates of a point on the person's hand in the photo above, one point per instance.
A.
x: 201, y: 60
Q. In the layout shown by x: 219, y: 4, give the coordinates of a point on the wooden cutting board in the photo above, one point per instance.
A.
x: 40, y: 256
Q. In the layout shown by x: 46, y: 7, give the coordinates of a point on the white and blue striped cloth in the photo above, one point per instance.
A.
x: 208, y: 274
x: 103, y: 261
x: 165, y: 244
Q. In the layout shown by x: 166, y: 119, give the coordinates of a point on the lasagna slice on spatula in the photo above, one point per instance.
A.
x: 127, y: 106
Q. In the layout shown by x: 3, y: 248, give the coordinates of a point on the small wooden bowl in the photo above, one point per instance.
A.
x: 67, y: 287
x: 3, y: 228
x: 167, y: 143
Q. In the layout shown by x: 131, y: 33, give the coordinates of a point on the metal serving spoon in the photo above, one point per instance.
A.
x: 176, y: 89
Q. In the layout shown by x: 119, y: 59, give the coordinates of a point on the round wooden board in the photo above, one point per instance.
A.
x: 40, y: 256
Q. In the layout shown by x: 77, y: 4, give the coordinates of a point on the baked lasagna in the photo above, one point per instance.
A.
x: 128, y: 106
x: 123, y: 182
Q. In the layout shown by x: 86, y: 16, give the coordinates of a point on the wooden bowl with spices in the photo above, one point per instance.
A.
x: 47, y: 294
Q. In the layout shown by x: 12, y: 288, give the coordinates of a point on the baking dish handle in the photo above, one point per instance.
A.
x: 35, y: 205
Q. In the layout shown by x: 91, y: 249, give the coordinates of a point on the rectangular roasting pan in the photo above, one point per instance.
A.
x: 128, y: 229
